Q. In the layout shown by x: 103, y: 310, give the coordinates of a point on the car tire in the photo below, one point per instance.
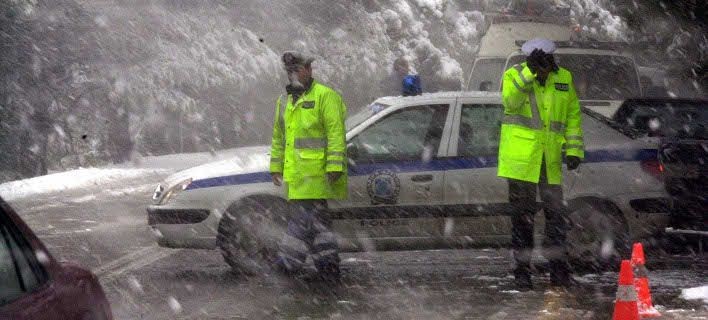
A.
x: 598, y: 238
x: 249, y: 233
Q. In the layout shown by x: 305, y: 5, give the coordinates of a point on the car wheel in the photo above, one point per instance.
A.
x: 598, y: 237
x: 249, y: 234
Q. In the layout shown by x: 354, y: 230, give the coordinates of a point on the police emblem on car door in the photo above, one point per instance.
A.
x: 383, y: 187
x: 397, y: 174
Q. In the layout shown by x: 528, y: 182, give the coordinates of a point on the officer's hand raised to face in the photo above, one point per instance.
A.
x: 540, y: 63
x: 534, y: 60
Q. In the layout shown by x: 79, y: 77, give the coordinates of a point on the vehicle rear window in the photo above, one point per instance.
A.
x: 664, y: 118
x: 597, y: 77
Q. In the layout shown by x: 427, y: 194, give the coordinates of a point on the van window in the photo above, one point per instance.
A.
x: 597, y: 77
x: 486, y: 74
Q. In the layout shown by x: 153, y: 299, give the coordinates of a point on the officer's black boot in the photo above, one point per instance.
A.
x: 328, y: 269
x: 522, y: 278
x: 560, y: 275
x: 330, y: 273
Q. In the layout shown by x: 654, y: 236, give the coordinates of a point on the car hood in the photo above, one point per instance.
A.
x: 243, y: 160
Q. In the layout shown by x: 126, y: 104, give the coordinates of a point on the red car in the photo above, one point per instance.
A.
x: 33, y: 285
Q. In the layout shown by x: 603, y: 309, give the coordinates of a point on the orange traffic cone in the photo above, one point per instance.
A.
x: 626, y: 301
x: 641, y: 283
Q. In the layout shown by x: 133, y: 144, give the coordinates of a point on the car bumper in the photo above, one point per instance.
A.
x: 650, y: 205
x: 159, y: 215
x: 647, y: 214
x: 176, y: 227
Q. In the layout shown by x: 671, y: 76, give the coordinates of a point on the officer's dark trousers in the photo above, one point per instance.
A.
x: 522, y: 196
x: 309, y: 231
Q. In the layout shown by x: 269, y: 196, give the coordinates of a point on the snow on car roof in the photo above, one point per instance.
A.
x: 588, y: 51
x: 437, y: 95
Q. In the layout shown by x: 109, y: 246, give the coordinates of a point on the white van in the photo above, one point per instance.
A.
x: 500, y: 41
x: 603, y: 75
x: 604, y: 72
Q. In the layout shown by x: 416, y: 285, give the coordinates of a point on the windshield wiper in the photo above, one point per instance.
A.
x: 628, y: 131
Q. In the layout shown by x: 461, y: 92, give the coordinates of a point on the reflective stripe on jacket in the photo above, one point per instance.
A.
x: 538, y: 120
x: 309, y: 140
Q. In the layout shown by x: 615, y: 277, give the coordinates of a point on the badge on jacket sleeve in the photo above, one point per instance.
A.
x: 562, y: 86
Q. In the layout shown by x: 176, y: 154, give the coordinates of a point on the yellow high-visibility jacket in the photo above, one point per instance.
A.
x: 309, y: 140
x: 539, y: 122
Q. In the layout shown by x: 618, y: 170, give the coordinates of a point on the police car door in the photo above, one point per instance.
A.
x: 476, y: 197
x: 395, y: 177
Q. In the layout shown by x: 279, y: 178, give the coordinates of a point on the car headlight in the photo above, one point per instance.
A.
x: 158, y: 193
x: 177, y: 188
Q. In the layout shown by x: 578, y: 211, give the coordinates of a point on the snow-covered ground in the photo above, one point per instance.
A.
x: 69, y: 180
x: 698, y: 293
x: 87, y: 178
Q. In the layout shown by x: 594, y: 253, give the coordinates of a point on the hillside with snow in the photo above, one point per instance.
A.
x: 95, y: 81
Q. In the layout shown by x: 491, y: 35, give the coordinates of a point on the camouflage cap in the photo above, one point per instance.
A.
x: 294, y: 58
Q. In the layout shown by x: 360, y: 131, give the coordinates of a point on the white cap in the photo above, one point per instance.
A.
x: 296, y: 58
x: 545, y: 45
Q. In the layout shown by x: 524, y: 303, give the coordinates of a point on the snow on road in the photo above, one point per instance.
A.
x: 698, y: 293
x: 98, y: 177
x: 68, y: 180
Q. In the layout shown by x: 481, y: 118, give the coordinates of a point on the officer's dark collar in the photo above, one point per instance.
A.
x: 308, y: 85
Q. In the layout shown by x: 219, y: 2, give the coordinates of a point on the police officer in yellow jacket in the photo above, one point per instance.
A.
x: 308, y: 157
x: 542, y: 119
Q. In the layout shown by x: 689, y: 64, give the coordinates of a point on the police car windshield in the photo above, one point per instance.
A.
x: 597, y: 77
x: 363, y: 114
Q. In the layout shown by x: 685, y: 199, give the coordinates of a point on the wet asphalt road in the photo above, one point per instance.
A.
x: 107, y: 232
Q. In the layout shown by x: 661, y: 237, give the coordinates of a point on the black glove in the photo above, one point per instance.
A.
x: 550, y: 63
x: 573, y: 162
x: 535, y: 60
x: 539, y: 60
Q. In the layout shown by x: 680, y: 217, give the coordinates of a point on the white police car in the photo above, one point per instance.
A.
x: 422, y: 176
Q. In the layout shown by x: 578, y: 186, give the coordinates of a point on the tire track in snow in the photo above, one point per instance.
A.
x: 111, y: 271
